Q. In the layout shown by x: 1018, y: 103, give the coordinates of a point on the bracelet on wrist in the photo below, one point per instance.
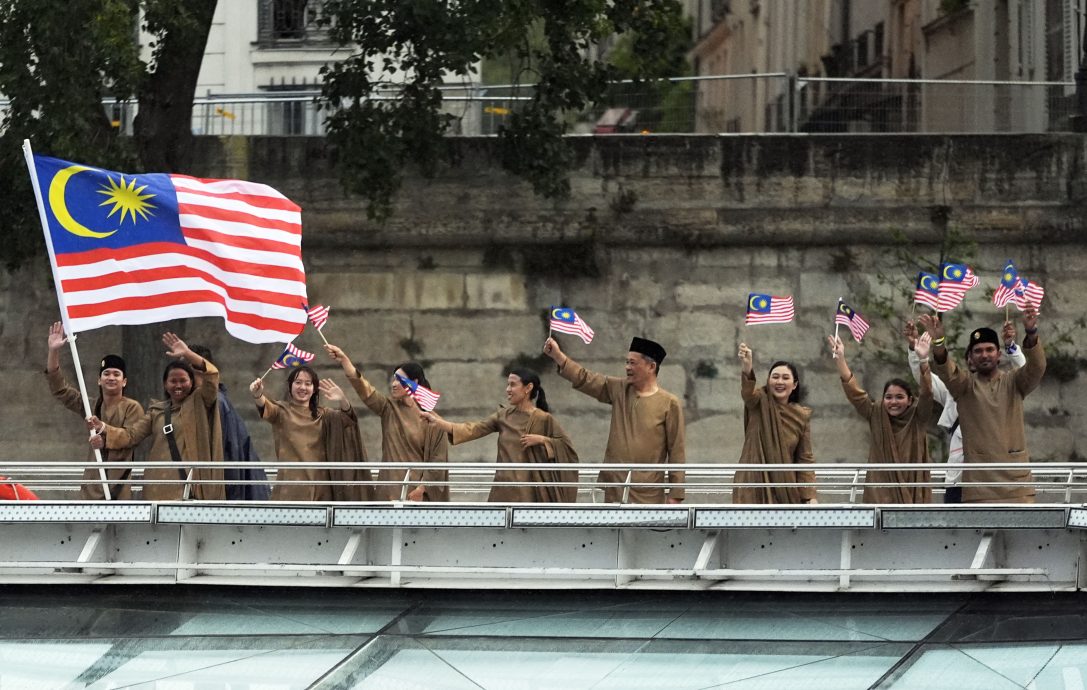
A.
x: 1031, y: 331
x: 923, y: 361
x: 938, y: 342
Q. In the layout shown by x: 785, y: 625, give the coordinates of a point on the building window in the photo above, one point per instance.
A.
x: 289, y: 22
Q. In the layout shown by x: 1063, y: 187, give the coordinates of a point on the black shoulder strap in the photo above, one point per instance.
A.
x: 168, y: 432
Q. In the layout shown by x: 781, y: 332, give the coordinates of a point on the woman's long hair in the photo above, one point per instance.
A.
x: 537, y: 395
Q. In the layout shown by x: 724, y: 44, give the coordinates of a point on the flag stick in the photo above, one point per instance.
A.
x: 28, y: 153
x: 266, y: 373
x: 836, y: 324
x: 1007, y: 316
x: 322, y: 335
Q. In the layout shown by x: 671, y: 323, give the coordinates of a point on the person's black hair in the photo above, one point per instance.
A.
x: 315, y: 399
x: 182, y: 365
x: 901, y: 383
x: 537, y: 395
x: 798, y: 393
x: 414, y: 371
x: 203, y: 351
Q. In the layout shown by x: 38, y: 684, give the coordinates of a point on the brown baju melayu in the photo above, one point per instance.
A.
x: 123, y: 413
x: 406, y: 437
x: 511, y: 424
x: 644, y: 429
x: 894, y: 439
x: 332, y: 437
x: 774, y: 433
x: 991, y: 419
x: 199, y: 436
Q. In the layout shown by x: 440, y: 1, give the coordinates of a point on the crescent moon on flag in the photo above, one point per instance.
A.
x: 755, y: 303
x: 60, y: 210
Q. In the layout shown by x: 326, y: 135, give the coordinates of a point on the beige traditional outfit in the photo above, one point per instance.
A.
x: 406, y: 437
x: 123, y: 413
x: 510, y: 486
x: 332, y: 437
x: 197, y: 432
x: 894, y: 439
x: 991, y: 418
x: 778, y: 433
x: 644, y: 429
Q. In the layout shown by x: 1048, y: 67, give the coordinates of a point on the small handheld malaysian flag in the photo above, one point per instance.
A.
x: 1028, y: 294
x: 317, y: 315
x: 565, y: 320
x: 292, y: 357
x: 846, y: 316
x: 927, y: 291
x: 423, y: 396
x: 955, y: 281
x: 1009, y: 282
x: 762, y: 308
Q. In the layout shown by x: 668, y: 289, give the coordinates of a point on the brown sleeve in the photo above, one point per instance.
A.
x: 1030, y: 374
x: 747, y: 390
x: 956, y: 379
x: 470, y: 431
x: 118, y: 438
x: 856, y: 395
x: 65, y: 393
x: 588, y: 382
x: 370, y: 396
x: 209, y: 390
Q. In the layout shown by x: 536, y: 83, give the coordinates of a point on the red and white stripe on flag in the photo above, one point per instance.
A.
x: 1028, y: 294
x: 426, y: 398
x: 952, y: 292
x: 318, y: 315
x: 241, y: 261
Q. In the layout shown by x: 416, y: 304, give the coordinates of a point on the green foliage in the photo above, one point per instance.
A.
x: 385, y: 106
x: 58, y: 60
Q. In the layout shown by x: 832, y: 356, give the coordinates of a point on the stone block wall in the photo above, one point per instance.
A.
x: 662, y: 237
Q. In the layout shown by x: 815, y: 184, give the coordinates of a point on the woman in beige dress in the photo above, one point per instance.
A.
x: 898, y: 423
x: 405, y: 436
x: 306, y: 431
x: 777, y: 429
x: 527, y: 433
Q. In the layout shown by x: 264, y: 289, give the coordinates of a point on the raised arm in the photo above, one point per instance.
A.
x: 588, y: 382
x: 369, y: 395
x: 956, y: 379
x: 65, y: 393
x: 1029, y: 376
x: 853, y: 392
x: 747, y: 376
x: 177, y: 349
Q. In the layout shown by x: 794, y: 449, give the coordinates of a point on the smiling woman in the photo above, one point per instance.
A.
x: 898, y: 423
x: 777, y: 429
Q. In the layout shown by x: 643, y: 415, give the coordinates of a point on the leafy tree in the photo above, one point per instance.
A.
x: 384, y: 103
x: 58, y: 60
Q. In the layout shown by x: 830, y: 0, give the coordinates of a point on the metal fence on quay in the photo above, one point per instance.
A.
x: 738, y: 103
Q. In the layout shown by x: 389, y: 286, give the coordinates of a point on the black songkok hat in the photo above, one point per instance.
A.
x: 112, y: 362
x: 983, y: 335
x: 648, y: 348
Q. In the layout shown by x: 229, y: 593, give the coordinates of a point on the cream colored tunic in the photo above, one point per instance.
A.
x: 301, y: 438
x: 512, y: 486
x: 894, y: 439
x: 122, y: 414
x: 774, y: 433
x: 406, y: 437
x: 991, y: 419
x: 198, y: 433
x: 647, y: 429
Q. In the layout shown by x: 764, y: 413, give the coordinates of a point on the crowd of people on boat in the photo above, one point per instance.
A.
x: 979, y: 403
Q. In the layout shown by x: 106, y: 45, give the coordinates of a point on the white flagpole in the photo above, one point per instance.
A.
x: 28, y: 153
x: 836, y: 324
